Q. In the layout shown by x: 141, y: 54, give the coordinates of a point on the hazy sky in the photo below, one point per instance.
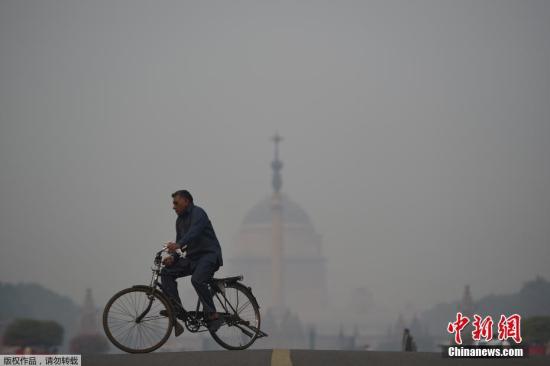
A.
x: 416, y: 136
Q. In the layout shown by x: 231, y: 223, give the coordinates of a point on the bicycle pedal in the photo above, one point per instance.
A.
x: 178, y: 329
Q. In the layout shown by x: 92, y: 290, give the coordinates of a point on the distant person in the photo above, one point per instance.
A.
x: 408, y: 344
x: 204, y: 256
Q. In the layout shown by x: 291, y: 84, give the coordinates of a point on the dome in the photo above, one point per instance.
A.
x: 299, y: 236
x: 302, y: 265
x: 293, y: 214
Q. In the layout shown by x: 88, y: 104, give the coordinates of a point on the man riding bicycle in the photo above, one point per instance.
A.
x: 194, y: 231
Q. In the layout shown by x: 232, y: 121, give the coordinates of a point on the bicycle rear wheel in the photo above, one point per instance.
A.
x: 126, y: 331
x: 241, y: 316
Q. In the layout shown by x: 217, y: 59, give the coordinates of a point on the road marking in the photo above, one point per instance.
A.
x: 281, y: 357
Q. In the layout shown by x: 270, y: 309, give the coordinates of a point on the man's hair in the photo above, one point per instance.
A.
x: 183, y: 193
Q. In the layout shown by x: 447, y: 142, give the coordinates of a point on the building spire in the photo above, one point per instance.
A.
x: 88, y: 318
x: 277, y: 229
x: 276, y: 165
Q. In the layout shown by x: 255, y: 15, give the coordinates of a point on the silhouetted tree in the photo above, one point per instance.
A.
x: 31, y: 332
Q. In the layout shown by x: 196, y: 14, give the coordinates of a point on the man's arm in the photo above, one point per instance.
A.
x: 199, y: 220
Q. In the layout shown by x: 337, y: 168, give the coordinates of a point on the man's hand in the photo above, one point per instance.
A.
x: 172, y: 247
x: 168, y: 261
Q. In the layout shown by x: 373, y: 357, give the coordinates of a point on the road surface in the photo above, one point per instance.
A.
x: 282, y: 357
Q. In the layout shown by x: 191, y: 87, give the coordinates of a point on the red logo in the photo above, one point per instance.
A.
x: 508, y: 327
x: 457, y: 326
x: 483, y: 328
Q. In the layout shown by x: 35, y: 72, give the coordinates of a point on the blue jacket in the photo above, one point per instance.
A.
x: 194, y: 229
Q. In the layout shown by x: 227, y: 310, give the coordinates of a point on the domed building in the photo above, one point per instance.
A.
x: 280, y: 254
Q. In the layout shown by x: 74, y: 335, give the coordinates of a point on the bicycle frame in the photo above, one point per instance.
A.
x: 154, y: 284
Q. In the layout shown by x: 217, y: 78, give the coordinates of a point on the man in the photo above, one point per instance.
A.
x: 407, y: 343
x: 204, y: 256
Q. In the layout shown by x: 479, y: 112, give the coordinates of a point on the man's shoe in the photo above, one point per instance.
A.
x: 178, y: 328
x: 214, y: 322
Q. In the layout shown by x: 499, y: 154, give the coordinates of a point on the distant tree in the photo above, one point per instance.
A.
x: 89, y: 343
x: 30, y: 300
x: 30, y: 332
x: 536, y: 329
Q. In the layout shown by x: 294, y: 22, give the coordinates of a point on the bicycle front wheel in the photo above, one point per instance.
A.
x: 132, y: 322
x: 241, y: 316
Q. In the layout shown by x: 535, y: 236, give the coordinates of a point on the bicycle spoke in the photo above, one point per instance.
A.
x: 242, y: 308
x: 122, y: 307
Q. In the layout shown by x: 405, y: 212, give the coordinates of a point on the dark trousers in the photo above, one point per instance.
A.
x: 201, y: 271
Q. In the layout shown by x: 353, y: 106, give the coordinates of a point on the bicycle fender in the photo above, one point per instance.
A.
x: 249, y: 289
x: 145, y: 287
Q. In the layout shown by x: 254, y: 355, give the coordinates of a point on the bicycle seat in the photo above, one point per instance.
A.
x: 228, y: 279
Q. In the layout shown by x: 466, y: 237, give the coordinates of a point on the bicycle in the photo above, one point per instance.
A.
x: 132, y: 322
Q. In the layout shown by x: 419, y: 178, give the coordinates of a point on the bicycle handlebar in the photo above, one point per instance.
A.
x: 184, y: 248
x: 158, y: 256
